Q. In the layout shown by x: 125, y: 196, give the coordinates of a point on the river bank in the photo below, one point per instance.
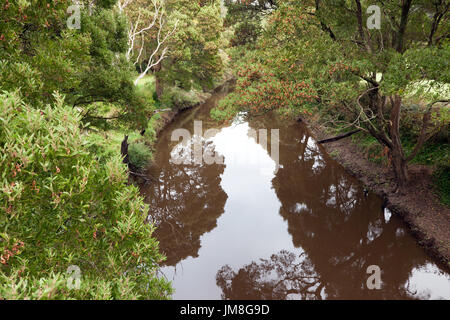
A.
x: 230, y: 227
x: 427, y: 219
x: 166, y: 117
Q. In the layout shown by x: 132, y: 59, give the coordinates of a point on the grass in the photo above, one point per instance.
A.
x: 107, y: 143
x: 441, y: 179
x: 370, y: 146
x: 146, y: 87
x: 435, y: 153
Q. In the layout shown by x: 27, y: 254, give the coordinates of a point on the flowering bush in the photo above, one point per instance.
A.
x: 60, y: 207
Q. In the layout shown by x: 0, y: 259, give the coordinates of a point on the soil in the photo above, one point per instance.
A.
x: 417, y: 204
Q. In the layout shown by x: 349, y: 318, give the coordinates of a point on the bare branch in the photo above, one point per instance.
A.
x: 162, y: 52
x: 122, y: 4
x: 135, y: 30
x: 339, y: 137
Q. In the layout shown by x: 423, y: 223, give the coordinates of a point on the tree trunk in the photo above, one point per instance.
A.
x: 400, y: 167
x: 158, y: 83
x: 406, y: 6
x: 158, y: 86
x: 398, y: 159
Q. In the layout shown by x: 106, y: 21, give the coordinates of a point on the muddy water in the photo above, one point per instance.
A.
x: 246, y: 229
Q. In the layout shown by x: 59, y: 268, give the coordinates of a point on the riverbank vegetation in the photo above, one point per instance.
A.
x: 320, y: 61
x: 72, y: 87
x: 68, y: 98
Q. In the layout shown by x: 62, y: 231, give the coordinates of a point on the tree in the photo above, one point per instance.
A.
x: 150, y: 47
x: 87, y: 65
x: 194, y: 58
x: 246, y: 18
x: 402, y: 56
x: 363, y: 77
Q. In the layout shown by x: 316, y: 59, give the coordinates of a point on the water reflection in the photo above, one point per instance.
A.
x: 287, y: 276
x: 305, y: 231
x: 284, y: 275
x: 187, y: 199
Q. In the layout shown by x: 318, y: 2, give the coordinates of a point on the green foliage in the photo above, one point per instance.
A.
x: 40, y: 55
x: 350, y: 75
x: 175, y: 97
x: 245, y: 32
x: 370, y: 146
x: 442, y: 181
x: 140, y: 154
x: 194, y: 59
x: 152, y: 126
x: 104, y: 143
x: 260, y: 88
x: 413, y: 64
x: 61, y: 207
x: 109, y: 77
x: 246, y: 17
x: 433, y: 153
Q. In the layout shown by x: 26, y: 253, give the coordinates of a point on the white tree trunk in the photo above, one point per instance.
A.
x: 161, y: 49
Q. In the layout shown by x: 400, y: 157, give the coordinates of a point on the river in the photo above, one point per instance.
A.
x: 248, y: 228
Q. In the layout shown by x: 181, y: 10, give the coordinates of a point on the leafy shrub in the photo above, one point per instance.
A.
x: 140, y: 154
x: 155, y: 96
x: 60, y: 207
x: 178, y: 98
x: 153, y: 125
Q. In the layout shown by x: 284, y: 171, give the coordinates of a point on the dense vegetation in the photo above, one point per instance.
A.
x: 68, y: 97
x: 320, y: 60
x: 61, y: 207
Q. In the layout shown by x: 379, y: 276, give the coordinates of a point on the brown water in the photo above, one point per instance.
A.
x: 244, y: 230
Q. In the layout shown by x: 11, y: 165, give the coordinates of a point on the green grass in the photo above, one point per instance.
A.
x: 105, y: 144
x: 434, y: 153
x: 442, y: 182
x: 370, y: 146
x: 146, y: 87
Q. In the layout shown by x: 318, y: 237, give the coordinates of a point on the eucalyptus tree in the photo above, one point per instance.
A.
x: 364, y: 62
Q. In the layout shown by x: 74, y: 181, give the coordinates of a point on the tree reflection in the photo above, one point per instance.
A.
x: 186, y: 199
x: 283, y: 276
x: 341, y: 230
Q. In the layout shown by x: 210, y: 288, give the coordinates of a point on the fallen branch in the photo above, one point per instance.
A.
x: 143, y: 176
x: 342, y: 136
x: 161, y: 110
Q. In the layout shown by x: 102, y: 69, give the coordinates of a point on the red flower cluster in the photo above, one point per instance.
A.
x: 262, y: 91
x: 8, y: 254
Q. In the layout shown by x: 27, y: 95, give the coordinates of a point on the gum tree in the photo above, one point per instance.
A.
x: 194, y: 58
x: 148, y: 33
x: 404, y: 60
x: 364, y: 77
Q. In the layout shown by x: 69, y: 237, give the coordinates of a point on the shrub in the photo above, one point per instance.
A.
x: 153, y: 125
x: 178, y: 98
x: 140, y: 154
x: 60, y: 207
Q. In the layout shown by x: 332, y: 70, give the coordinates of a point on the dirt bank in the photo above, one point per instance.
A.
x: 417, y: 204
